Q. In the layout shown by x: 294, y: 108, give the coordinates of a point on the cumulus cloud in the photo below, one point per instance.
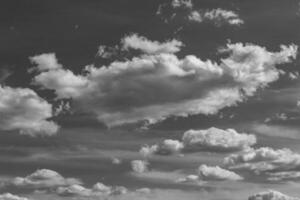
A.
x: 166, y: 147
x: 210, y: 173
x: 43, y: 178
x: 182, y: 3
x: 217, y: 139
x: 46, y: 61
x: 141, y: 43
x: 139, y: 166
x: 22, y: 109
x: 217, y: 173
x: 216, y: 16
x: 264, y: 159
x: 8, y: 196
x: 285, y: 175
x: 153, y: 87
x: 271, y: 195
x: 99, y: 190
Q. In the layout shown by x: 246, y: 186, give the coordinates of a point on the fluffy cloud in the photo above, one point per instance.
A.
x: 153, y: 87
x: 43, y: 178
x: 166, y: 147
x: 271, y: 195
x: 99, y: 190
x: 139, y: 166
x: 263, y: 160
x: 216, y: 16
x: 22, y: 109
x: 217, y: 173
x: 217, y: 139
x: 285, y: 175
x: 46, y: 61
x: 141, y: 43
x: 8, y: 196
x: 210, y: 173
x: 182, y: 3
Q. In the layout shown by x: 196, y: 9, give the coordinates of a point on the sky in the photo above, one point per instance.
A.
x: 149, y: 100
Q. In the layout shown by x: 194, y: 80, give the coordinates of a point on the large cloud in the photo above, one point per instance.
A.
x: 154, y: 87
x: 271, y: 195
x: 217, y: 139
x: 216, y: 16
x: 43, y: 178
x: 22, y: 109
x: 264, y: 160
x: 8, y: 196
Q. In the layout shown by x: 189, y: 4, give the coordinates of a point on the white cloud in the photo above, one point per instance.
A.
x: 264, y: 159
x: 141, y: 43
x: 217, y: 139
x: 217, y: 173
x: 216, y: 16
x: 156, y: 86
x: 43, y: 178
x: 285, y: 175
x: 46, y: 61
x: 271, y: 195
x: 64, y: 82
x: 99, y: 191
x: 22, y: 109
x: 8, y: 196
x: 166, y: 147
x: 182, y: 3
x: 139, y: 166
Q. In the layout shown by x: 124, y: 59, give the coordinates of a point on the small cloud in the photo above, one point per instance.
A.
x: 217, y: 139
x: 139, y: 166
x: 144, y: 45
x: 216, y: 16
x: 42, y: 179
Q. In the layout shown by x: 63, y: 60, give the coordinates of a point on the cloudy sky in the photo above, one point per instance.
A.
x: 149, y: 100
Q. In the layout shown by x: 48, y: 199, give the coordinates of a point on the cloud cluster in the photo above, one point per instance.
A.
x: 8, y: 196
x: 144, y: 45
x: 263, y: 160
x: 216, y: 16
x: 22, y: 109
x: 217, y: 139
x: 43, y: 178
x: 153, y: 87
x: 271, y: 195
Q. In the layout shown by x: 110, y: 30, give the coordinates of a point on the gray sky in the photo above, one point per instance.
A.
x: 174, y: 99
